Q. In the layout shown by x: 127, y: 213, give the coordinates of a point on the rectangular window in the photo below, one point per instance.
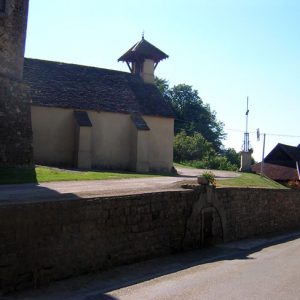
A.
x: 2, y: 6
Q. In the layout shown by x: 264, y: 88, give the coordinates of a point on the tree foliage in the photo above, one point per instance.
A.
x: 232, y: 156
x: 198, y: 133
x: 194, y: 147
x: 191, y: 114
x: 196, y: 151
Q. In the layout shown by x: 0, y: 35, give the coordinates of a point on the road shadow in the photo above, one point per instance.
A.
x: 96, y: 286
x: 30, y: 192
x: 129, y: 275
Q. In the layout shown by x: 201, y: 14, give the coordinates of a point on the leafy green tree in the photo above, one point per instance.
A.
x: 232, y: 156
x: 197, y: 152
x: 188, y: 148
x: 163, y: 86
x: 191, y: 114
x: 199, y: 135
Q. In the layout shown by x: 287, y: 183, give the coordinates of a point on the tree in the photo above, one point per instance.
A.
x: 188, y: 148
x: 164, y: 88
x: 232, y: 156
x: 191, y: 114
x: 197, y: 152
x: 199, y: 135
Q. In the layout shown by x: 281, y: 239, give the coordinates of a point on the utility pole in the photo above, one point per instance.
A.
x: 263, y: 156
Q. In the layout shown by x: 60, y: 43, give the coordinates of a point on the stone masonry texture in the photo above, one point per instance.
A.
x: 15, y: 124
x: 51, y: 240
x: 12, y: 38
x: 15, y: 119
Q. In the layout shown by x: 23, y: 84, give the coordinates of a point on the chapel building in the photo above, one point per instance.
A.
x: 61, y: 114
x: 89, y: 117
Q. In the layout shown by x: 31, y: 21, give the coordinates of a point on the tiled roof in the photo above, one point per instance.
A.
x: 55, y: 84
x: 276, y: 172
x: 293, y: 152
x: 284, y: 155
x: 141, y: 50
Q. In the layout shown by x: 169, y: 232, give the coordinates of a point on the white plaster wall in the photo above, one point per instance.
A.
x: 84, y: 148
x: 161, y: 138
x: 111, y: 139
x: 148, y: 71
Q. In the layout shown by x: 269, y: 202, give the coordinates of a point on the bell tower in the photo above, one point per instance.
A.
x: 142, y: 59
x: 15, y: 118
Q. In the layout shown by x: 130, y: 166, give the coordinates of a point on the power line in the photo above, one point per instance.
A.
x: 241, y: 131
x: 284, y: 135
x: 272, y: 134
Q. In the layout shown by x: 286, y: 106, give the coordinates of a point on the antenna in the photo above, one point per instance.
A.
x: 247, y: 113
x: 246, y: 146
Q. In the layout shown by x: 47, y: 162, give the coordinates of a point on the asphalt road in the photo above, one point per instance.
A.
x: 266, y: 268
x: 272, y: 273
x: 104, y: 188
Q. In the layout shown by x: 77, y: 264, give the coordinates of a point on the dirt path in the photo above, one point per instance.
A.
x: 103, y: 188
x: 191, y: 172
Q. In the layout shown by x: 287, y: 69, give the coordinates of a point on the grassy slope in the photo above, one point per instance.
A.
x: 249, y: 180
x: 45, y: 174
x: 244, y: 180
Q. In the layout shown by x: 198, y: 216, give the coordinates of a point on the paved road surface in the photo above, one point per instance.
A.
x: 89, y: 188
x: 250, y: 269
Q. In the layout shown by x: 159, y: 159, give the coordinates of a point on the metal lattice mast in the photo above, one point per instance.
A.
x: 246, y: 146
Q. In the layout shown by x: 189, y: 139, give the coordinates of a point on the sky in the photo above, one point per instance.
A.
x: 225, y: 49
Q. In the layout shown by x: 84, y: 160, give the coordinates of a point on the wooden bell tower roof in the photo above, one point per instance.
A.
x: 143, y: 50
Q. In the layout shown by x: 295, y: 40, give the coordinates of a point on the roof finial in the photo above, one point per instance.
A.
x: 143, y: 34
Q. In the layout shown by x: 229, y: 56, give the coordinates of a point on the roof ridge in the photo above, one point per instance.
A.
x: 76, y: 65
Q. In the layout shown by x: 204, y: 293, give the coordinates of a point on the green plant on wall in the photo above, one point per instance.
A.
x: 210, y: 177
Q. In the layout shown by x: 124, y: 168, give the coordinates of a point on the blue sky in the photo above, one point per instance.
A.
x: 226, y: 49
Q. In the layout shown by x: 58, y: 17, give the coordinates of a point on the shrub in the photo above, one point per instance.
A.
x: 210, y: 177
x: 187, y: 148
x: 215, y: 162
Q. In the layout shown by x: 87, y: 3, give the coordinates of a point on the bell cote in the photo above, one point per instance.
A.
x: 142, y: 59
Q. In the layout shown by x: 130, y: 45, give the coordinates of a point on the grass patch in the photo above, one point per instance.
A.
x: 47, y: 174
x: 244, y: 180
x: 250, y: 180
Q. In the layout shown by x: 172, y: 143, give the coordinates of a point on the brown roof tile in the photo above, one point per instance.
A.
x: 55, y: 84
x: 276, y: 172
x: 285, y: 155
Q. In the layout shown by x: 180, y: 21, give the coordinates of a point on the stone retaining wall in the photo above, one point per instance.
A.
x: 259, y: 211
x: 51, y: 240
